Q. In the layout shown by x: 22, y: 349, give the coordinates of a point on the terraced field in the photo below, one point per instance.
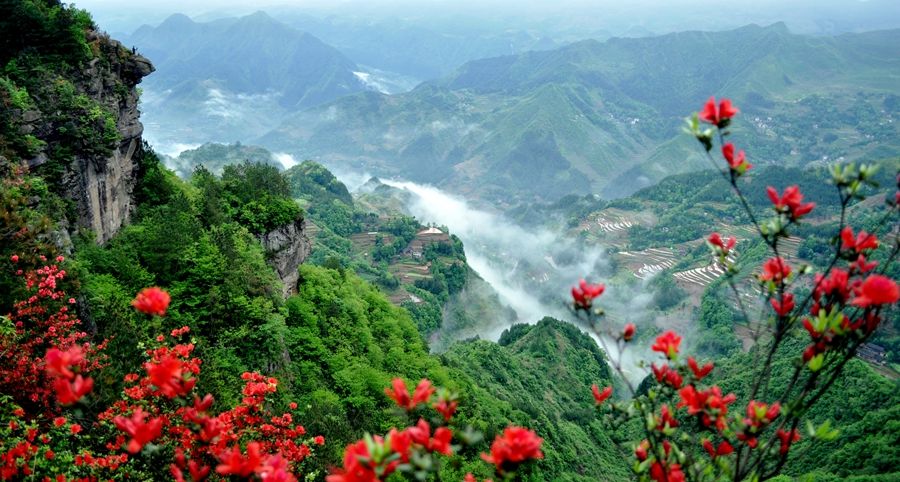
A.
x: 647, y: 263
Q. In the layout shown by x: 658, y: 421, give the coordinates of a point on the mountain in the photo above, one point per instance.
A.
x: 235, y: 76
x: 604, y: 116
x: 417, y: 50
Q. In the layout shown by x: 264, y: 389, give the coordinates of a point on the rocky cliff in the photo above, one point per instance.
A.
x: 286, y: 248
x: 102, y: 185
x: 93, y: 137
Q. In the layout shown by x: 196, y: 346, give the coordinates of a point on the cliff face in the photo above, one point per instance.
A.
x: 102, y: 185
x: 99, y: 169
x: 287, y: 247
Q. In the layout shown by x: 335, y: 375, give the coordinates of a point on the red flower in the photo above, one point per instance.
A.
x: 235, y: 463
x: 709, y: 404
x: 724, y: 246
x: 699, y: 373
x: 759, y: 415
x: 776, y: 270
x: 59, y: 363
x: 783, y: 307
x: 400, y: 443
x: 422, y: 393
x: 628, y: 332
x: 358, y: 466
x: 515, y: 446
x: 441, y: 441
x: 584, y: 294
x: 667, y: 344
x: 599, y: 396
x: 399, y: 394
x: 790, y: 202
x: 446, y: 407
x: 152, y: 301
x: 665, y: 419
x: 167, y: 375
x: 75, y: 429
x: 640, y: 452
x: 737, y: 163
x: 787, y: 438
x: 661, y: 472
x: 724, y: 448
x: 14, y: 258
x: 141, y: 432
x: 319, y: 440
x: 71, y: 392
x: 876, y: 290
x: 717, y: 116
x: 665, y: 374
x: 860, y: 243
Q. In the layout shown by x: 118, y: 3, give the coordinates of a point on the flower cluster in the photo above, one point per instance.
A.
x: 160, y: 415
x: 846, y: 305
x: 414, y: 450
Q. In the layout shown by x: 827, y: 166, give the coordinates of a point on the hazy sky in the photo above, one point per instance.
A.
x: 658, y: 16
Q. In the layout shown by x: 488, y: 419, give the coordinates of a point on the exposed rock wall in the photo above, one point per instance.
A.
x: 286, y: 248
x: 102, y: 185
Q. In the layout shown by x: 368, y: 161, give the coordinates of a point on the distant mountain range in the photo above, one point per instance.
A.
x: 604, y: 116
x: 236, y: 77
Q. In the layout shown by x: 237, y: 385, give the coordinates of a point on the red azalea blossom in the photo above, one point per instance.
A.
x: 860, y: 243
x: 400, y: 394
x: 876, y: 290
x: 667, y: 344
x: 783, y: 307
x: 666, y: 472
x: 167, y: 375
x: 423, y: 392
x: 715, y: 239
x: 515, y: 446
x: 447, y: 408
x: 628, y: 332
x: 584, y: 294
x: 776, y: 270
x: 141, y: 432
x: 152, y: 301
x: 665, y: 419
x: 737, y: 163
x: 791, y: 202
x: 69, y: 392
x: 699, y: 373
x: 236, y: 463
x: 724, y: 448
x: 600, y: 397
x: 787, y: 438
x: 667, y: 375
x: 60, y: 363
x: 358, y: 466
x: 709, y: 404
x: 720, y: 115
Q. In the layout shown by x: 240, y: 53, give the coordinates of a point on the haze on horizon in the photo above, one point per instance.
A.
x: 563, y: 19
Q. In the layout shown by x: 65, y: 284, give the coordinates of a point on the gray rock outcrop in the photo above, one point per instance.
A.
x: 286, y: 248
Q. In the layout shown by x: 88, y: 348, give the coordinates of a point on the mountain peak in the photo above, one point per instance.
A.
x: 176, y: 21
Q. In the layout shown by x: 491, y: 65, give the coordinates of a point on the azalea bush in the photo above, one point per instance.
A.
x: 159, y: 428
x: 690, y: 429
